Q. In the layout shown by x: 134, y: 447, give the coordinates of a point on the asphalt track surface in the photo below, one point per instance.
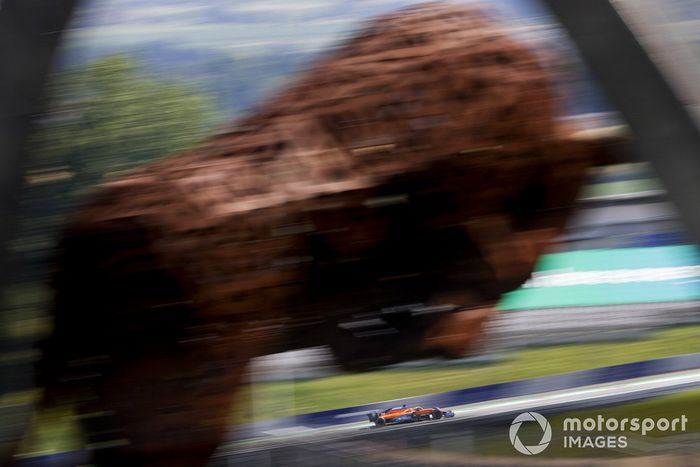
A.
x: 466, y: 416
x: 351, y: 443
x: 615, y: 220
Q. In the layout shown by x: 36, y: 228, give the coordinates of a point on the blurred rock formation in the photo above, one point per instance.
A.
x: 380, y: 204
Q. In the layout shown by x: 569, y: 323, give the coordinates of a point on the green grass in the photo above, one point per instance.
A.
x: 53, y: 431
x: 619, y: 188
x: 495, y: 442
x: 671, y: 406
x: 361, y: 388
x: 56, y: 431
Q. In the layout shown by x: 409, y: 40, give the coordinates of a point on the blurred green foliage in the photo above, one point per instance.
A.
x: 107, y: 116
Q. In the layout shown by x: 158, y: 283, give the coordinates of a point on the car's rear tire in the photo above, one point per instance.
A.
x: 380, y: 422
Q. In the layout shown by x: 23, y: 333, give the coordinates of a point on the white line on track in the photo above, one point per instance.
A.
x: 614, y: 391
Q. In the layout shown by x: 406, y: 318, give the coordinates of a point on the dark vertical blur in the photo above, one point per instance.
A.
x: 29, y: 35
x: 450, y: 180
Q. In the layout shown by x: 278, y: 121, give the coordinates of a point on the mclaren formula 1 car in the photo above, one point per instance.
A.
x: 405, y: 414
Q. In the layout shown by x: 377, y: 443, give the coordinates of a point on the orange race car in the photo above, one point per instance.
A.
x: 405, y: 414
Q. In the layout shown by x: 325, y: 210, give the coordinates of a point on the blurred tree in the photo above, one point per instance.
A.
x: 108, y: 116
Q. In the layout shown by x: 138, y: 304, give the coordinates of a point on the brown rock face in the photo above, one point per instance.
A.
x: 418, y: 163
